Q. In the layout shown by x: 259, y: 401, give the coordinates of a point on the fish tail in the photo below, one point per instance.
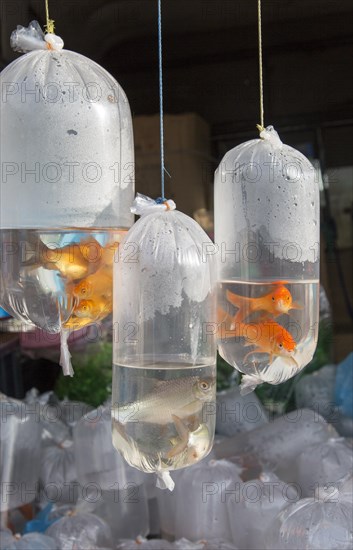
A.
x: 234, y: 299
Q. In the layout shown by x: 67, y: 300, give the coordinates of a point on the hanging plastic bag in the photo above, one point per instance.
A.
x: 267, y: 212
x: 68, y: 163
x: 164, y: 377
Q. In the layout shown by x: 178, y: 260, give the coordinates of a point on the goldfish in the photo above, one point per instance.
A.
x: 275, y: 303
x: 99, y: 283
x: 267, y: 336
x: 73, y: 261
x: 76, y: 323
x: 94, y: 308
x: 181, y: 398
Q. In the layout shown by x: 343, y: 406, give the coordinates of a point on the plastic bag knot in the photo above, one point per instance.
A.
x: 144, y: 205
x: 27, y: 39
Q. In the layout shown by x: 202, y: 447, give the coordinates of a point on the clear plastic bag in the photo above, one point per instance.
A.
x: 258, y: 503
x: 202, y: 494
x: 140, y: 543
x: 20, y: 453
x: 69, y: 162
x: 276, y: 445
x: 210, y: 544
x: 267, y: 212
x: 317, y: 391
x: 164, y: 375
x: 323, y: 464
x: 58, y: 474
x: 117, y: 491
x: 31, y: 541
x: 81, y: 532
x: 238, y: 413
x: 318, y: 523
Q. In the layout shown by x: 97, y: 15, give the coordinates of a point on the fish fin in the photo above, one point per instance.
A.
x: 183, y: 433
x: 256, y: 350
x: 234, y: 299
x: 295, y: 305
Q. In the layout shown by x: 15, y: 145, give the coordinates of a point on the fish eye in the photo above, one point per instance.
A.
x: 204, y: 385
x: 280, y: 345
x: 273, y: 298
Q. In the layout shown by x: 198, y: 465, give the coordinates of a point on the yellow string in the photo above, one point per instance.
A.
x: 50, y: 22
x: 260, y: 126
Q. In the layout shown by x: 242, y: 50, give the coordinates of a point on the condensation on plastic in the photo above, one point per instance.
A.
x: 325, y: 521
x: 20, y: 438
x: 163, y: 266
x: 258, y: 503
x: 266, y: 192
x: 201, y: 510
x: 80, y: 531
x: 323, y: 463
x: 30, y: 541
x: 69, y: 120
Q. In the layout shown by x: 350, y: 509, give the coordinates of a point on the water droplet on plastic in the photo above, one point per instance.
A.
x: 312, y: 203
x: 315, y: 222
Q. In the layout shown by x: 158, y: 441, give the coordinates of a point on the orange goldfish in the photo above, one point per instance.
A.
x: 99, y: 283
x: 76, y: 323
x: 73, y: 261
x: 95, y: 308
x: 275, y: 303
x: 267, y: 336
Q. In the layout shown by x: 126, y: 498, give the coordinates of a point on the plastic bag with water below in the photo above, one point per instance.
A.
x: 267, y: 212
x: 164, y: 374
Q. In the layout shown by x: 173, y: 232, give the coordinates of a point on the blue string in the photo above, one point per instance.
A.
x: 161, y: 96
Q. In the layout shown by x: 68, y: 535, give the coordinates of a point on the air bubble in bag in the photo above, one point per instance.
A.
x: 267, y: 222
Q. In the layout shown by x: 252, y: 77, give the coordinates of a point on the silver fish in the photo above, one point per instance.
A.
x: 182, y: 398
